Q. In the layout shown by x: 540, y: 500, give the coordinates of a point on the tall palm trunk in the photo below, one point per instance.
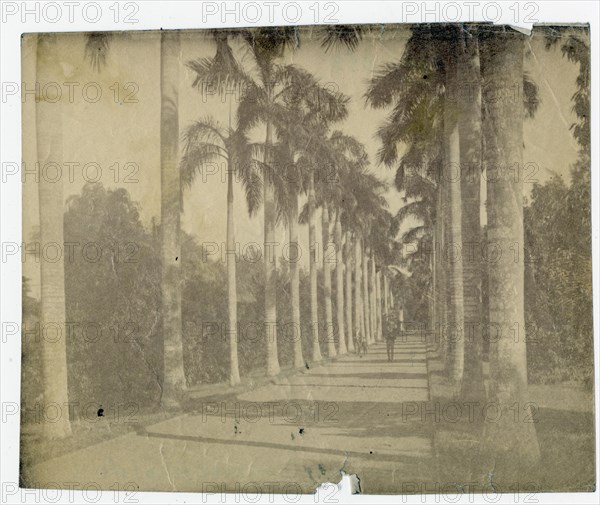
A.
x: 471, y: 161
x: 174, y: 377
x: 434, y: 281
x: 349, y: 323
x: 49, y: 150
x: 401, y: 317
x: 339, y: 285
x: 431, y: 291
x: 454, y: 260
x: 270, y: 216
x: 329, y: 330
x: 378, y: 301
x: 295, y: 281
x: 312, y: 239
x: 437, y: 255
x: 506, y: 440
x: 367, y: 300
x: 385, y: 295
x: 359, y: 317
x: 441, y: 336
x: 373, y: 291
x: 234, y: 370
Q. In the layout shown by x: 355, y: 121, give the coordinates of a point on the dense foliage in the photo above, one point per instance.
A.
x: 558, y: 283
x: 112, y: 286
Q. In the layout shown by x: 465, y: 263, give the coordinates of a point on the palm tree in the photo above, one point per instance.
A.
x: 300, y: 95
x: 373, y: 209
x: 363, y: 201
x: 383, y: 230
x: 312, y: 241
x: 471, y: 159
x: 350, y: 324
x: 174, y: 377
x: 421, y: 85
x: 266, y: 45
x: 380, y: 304
x: 375, y: 327
x: 451, y: 178
x: 207, y: 141
x: 304, y: 151
x: 342, y: 152
x: 267, y: 91
x: 349, y: 158
x: 326, y: 233
x: 339, y: 285
x: 508, y: 358
x: 295, y: 276
x: 288, y: 185
x: 285, y: 155
x: 366, y: 297
x: 96, y: 49
x: 359, y: 316
x: 385, y: 295
x: 52, y: 311
x: 350, y: 37
x: 441, y: 307
x: 416, y: 86
x: 49, y: 131
x: 330, y: 195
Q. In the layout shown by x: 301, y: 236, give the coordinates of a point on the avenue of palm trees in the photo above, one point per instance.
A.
x: 284, y: 141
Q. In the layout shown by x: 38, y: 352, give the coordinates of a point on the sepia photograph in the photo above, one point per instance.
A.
x: 263, y: 260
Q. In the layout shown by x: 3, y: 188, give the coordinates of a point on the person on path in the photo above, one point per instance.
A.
x: 360, y: 343
x: 392, y: 326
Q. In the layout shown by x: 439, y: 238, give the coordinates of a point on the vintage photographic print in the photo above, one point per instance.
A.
x: 256, y: 260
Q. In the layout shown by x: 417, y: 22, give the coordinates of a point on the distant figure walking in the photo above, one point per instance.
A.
x: 360, y: 343
x: 391, y: 329
x: 390, y: 341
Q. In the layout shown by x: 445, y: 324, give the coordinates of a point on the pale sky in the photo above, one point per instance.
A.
x: 107, y: 132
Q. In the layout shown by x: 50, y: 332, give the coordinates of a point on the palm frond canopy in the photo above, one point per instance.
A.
x: 221, y: 71
x: 204, y: 142
x: 421, y: 164
x: 382, y: 235
x: 341, y: 35
x: 367, y: 198
x: 418, y: 67
x: 268, y: 43
x: 207, y: 142
x: 418, y: 119
x: 296, y: 94
x: 97, y: 46
x: 302, y: 93
x: 418, y: 209
x: 414, y: 86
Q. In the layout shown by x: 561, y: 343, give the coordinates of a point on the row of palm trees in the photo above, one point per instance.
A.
x: 281, y: 94
x: 303, y: 157
x: 452, y: 132
x: 443, y: 129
